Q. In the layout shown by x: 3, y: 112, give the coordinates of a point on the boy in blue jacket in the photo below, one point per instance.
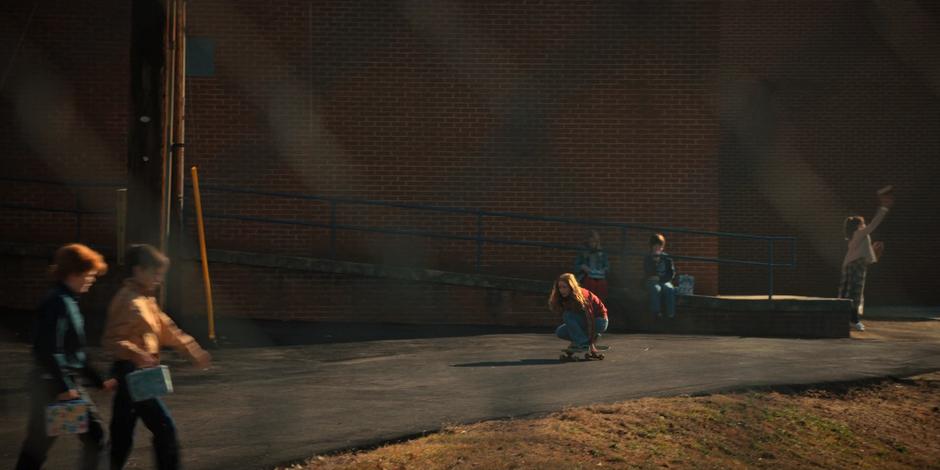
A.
x: 58, y: 348
x: 660, y: 272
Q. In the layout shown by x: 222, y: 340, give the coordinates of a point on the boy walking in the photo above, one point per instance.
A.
x: 136, y: 330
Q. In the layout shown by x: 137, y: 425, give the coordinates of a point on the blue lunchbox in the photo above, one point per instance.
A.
x: 686, y: 285
x: 67, y: 417
x: 148, y: 383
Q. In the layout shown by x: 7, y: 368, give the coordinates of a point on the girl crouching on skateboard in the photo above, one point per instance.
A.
x: 583, y: 313
x: 135, y: 331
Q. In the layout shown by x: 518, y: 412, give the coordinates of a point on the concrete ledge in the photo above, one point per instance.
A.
x: 374, y: 270
x: 760, y: 303
x: 301, y: 263
x: 783, y: 317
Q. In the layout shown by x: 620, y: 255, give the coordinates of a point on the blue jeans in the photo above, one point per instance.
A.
x: 155, y: 416
x: 661, y: 292
x: 575, y: 328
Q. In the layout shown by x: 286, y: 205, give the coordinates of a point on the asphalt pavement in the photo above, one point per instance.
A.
x: 261, y: 406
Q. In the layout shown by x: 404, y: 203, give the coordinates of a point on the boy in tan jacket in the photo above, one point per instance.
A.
x: 135, y: 331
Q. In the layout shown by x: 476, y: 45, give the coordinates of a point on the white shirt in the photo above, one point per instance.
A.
x: 860, y: 243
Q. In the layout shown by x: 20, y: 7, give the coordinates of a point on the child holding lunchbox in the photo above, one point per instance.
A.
x: 61, y: 363
x: 135, y: 331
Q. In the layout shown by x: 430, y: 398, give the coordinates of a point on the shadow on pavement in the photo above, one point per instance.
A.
x: 521, y: 362
x: 15, y: 326
x: 263, y: 333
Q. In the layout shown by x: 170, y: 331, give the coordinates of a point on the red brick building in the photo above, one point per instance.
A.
x: 768, y: 118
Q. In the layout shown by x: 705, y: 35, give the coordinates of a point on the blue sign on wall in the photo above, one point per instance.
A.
x: 200, y: 56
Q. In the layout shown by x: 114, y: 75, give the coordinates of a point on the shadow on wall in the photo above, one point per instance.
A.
x: 809, y: 138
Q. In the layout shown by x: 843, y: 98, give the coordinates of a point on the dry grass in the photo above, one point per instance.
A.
x: 891, y: 425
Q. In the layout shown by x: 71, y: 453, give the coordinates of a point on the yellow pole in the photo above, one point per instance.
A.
x: 202, y: 252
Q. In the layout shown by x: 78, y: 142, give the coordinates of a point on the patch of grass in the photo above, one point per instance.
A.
x: 882, y: 426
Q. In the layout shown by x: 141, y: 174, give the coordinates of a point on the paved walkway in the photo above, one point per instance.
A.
x: 259, y: 407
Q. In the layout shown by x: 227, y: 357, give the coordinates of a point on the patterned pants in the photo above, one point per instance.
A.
x: 853, y: 286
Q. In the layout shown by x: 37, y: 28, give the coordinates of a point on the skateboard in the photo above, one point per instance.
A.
x: 569, y: 354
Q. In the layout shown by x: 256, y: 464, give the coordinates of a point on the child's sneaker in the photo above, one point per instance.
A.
x: 858, y: 326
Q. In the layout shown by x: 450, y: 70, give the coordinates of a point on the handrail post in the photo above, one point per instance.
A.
x: 332, y: 229
x: 623, y: 255
x: 479, y: 259
x: 792, y: 253
x: 78, y: 216
x: 120, y: 218
x: 770, y: 269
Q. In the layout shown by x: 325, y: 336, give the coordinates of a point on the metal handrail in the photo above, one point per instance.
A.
x: 512, y: 215
x: 28, y: 207
x: 78, y: 211
x: 500, y: 241
x: 334, y: 227
x: 71, y: 184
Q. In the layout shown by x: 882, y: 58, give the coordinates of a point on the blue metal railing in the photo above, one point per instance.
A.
x: 78, y: 211
x: 479, y: 238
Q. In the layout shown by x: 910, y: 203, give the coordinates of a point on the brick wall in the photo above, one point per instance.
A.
x: 550, y: 108
x: 63, y: 114
x: 64, y: 100
x: 24, y: 280
x: 251, y: 292
x: 713, y: 115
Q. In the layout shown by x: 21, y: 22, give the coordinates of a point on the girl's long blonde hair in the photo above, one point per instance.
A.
x: 576, y: 300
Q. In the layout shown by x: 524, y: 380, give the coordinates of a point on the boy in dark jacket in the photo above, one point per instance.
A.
x: 660, y: 271
x: 59, y: 340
